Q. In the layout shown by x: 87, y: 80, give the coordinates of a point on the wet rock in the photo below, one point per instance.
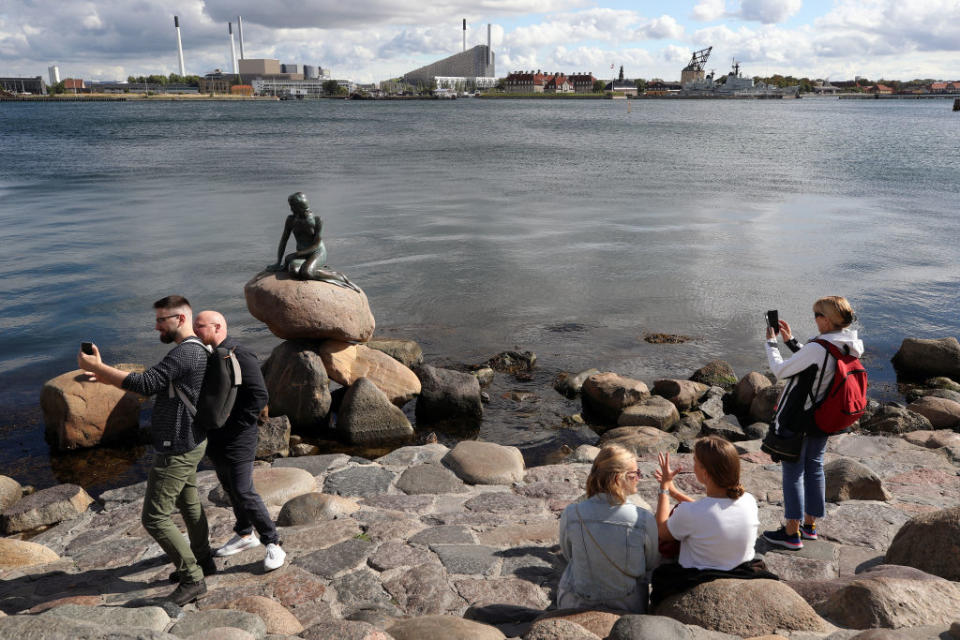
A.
x: 725, y: 427
x: 276, y: 485
x: 421, y: 590
x: 45, y: 507
x: 484, y: 376
x: 684, y: 394
x: 446, y: 627
x: 606, y: 395
x: 369, y: 480
x: 275, y: 616
x: 447, y: 396
x: 406, y: 352
x: 513, y: 362
x: 748, y: 387
x: 314, y: 507
x: 641, y: 440
x: 558, y: 629
x: 346, y: 363
x: 298, y: 384
x: 79, y: 413
x: 847, y: 479
x: 921, y: 358
x: 196, y: 622
x: 273, y: 438
x: 717, y: 373
x: 153, y: 618
x: 929, y: 542
x: 477, y: 462
x: 893, y: 603
x: 942, y: 382
x: 367, y: 417
x: 942, y: 413
x: 570, y: 384
x: 895, y: 420
x: 654, y: 412
x: 762, y: 407
x: 718, y: 605
x: 337, y: 559
x: 429, y: 478
x: 308, y: 309
x: 10, y: 492
x: 21, y: 553
x: 651, y: 627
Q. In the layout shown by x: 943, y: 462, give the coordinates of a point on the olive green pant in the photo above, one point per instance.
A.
x: 173, y: 484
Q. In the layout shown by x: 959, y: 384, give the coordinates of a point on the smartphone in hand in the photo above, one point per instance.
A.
x: 87, y: 348
x: 773, y: 320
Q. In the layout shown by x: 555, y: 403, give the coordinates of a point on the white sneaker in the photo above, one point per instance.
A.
x: 274, y: 558
x: 238, y: 544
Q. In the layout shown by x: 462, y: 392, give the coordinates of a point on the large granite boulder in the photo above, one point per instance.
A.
x: 655, y: 411
x: 929, y: 542
x: 477, y: 462
x: 308, y: 309
x: 367, y: 417
x: 446, y: 627
x: 406, y: 352
x: 762, y: 406
x: 641, y: 440
x: 79, y: 413
x: 892, y: 602
x: 895, y: 420
x: 276, y: 485
x: 570, y: 384
x: 651, y: 627
x: 10, y: 491
x: 606, y: 395
x: 934, y: 439
x: 273, y: 438
x: 743, y: 608
x: 684, y: 394
x: 716, y: 374
x: 596, y: 622
x: 448, y: 396
x: 941, y: 412
x: 921, y: 359
x: 346, y: 363
x: 429, y: 478
x: 194, y: 622
x: 297, y: 383
x: 45, y: 507
x: 748, y: 387
x: 20, y: 553
x: 847, y: 479
x: 314, y: 507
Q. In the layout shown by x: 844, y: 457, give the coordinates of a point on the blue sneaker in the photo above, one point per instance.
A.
x: 808, y: 531
x: 781, y: 538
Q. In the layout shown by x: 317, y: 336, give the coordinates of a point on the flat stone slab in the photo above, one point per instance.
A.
x: 196, y: 622
x: 863, y: 523
x: 411, y: 455
x: 400, y: 502
x: 444, y: 534
x: 393, y: 554
x: 336, y: 559
x: 504, y: 503
x: 361, y: 482
x: 154, y: 618
x: 467, y: 559
x: 361, y: 589
x: 420, y: 590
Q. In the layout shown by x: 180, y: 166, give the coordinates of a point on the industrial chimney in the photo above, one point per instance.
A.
x: 464, y: 34
x: 240, y: 29
x: 176, y: 23
x: 233, y: 50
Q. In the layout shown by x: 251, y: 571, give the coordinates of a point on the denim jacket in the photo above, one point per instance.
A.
x: 627, y: 535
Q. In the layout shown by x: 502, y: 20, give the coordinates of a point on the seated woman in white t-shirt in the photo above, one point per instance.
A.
x: 716, y: 533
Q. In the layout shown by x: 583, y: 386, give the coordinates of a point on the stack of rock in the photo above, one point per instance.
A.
x: 325, y: 327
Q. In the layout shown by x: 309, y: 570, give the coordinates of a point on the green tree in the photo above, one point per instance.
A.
x: 331, y: 87
x: 598, y: 86
x: 57, y: 89
x: 641, y: 85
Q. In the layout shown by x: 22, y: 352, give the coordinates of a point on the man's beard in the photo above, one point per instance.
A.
x: 168, y: 336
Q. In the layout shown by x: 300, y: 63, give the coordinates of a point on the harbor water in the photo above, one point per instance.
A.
x: 569, y: 228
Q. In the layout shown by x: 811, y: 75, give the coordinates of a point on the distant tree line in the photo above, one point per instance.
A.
x: 173, y: 78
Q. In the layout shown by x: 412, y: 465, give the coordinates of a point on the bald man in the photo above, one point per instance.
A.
x: 233, y: 447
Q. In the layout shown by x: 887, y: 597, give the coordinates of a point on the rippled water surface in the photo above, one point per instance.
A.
x: 566, y: 227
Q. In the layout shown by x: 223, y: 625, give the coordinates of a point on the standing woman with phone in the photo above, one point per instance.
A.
x: 809, y: 374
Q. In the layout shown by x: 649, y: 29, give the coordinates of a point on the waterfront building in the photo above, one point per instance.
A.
x: 292, y: 68
x: 463, y: 83
x: 259, y: 67
x: 35, y: 85
x: 822, y: 88
x: 582, y: 82
x: 74, y: 84
x: 881, y: 89
x: 294, y: 88
x: 54, y: 73
x: 622, y: 86
x: 471, y: 64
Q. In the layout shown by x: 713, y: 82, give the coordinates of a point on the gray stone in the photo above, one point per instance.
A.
x: 447, y: 395
x: 865, y: 523
x: 570, y: 384
x: 195, y: 622
x: 712, y: 407
x: 748, y: 388
x: 406, y: 352
x: 513, y: 362
x: 421, y: 590
x: 725, y: 427
x: 756, y: 430
x: 298, y: 384
x: 558, y: 629
x: 847, y: 479
x: 394, y: 554
x: 889, y: 602
x: 401, y: 502
x: 929, y: 542
x: 45, y: 507
x: 654, y: 412
x: 716, y: 374
x: 367, y: 417
x: 359, y: 481
x: 605, y: 395
x: 343, y: 630
x: 26, y: 627
x: 430, y: 478
x: 446, y: 627
x: 485, y: 591
x: 923, y: 359
x: 641, y: 440
x: 477, y: 462
x: 316, y: 465
x: 360, y: 590
x: 683, y: 394
x: 469, y: 559
x: 506, y: 503
x: 273, y: 438
x: 337, y: 559
x: 651, y: 627
x: 895, y: 420
x: 444, y: 534
x: 411, y: 455
x: 314, y: 507
x: 941, y: 412
x: 153, y: 618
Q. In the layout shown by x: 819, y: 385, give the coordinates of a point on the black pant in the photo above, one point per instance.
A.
x: 234, y: 464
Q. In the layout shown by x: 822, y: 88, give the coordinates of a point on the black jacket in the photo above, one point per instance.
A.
x: 238, y: 436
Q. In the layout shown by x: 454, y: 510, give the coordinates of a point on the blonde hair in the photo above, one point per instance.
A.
x: 612, y: 461
x: 720, y: 460
x: 836, y: 309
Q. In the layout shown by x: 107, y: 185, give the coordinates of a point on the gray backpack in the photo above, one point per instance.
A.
x: 218, y: 391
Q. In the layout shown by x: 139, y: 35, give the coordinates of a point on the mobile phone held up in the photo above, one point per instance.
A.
x: 87, y: 348
x: 773, y: 320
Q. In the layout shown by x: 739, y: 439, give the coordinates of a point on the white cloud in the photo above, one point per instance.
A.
x: 769, y: 11
x: 663, y: 28
x: 709, y: 10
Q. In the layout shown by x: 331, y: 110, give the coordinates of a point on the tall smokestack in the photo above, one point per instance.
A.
x: 488, y: 44
x: 233, y: 50
x: 240, y: 29
x: 464, y: 34
x: 176, y: 23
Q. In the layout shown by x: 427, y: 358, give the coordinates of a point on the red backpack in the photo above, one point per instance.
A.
x: 846, y: 399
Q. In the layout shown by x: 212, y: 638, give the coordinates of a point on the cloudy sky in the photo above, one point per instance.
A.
x: 371, y: 40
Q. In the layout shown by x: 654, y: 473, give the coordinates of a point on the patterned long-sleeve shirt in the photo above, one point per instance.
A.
x: 171, y: 429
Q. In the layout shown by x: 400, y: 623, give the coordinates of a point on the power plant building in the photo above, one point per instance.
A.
x: 259, y: 67
x: 473, y: 65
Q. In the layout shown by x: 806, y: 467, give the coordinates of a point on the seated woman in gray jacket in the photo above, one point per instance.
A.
x: 610, y: 544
